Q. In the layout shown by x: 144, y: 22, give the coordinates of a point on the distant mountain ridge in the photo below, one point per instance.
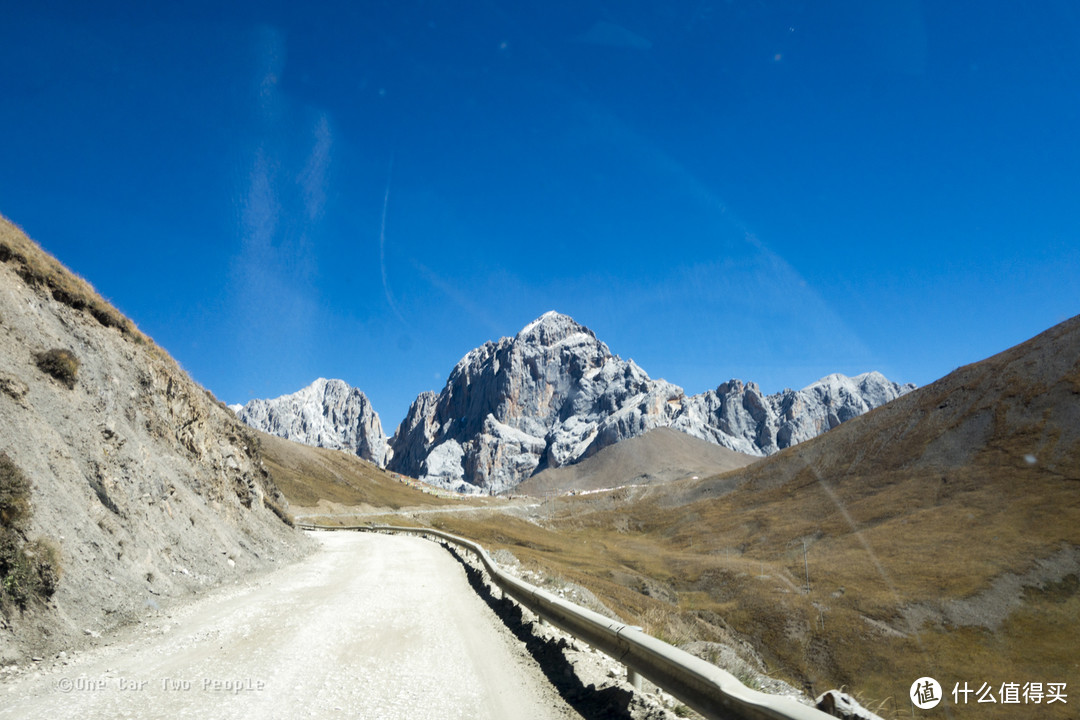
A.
x: 548, y: 397
x: 738, y: 416
x: 327, y: 413
x: 554, y: 394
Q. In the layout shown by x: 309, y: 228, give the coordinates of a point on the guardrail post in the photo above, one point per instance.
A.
x: 632, y: 676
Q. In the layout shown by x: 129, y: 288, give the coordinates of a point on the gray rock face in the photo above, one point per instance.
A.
x: 555, y: 394
x: 327, y: 413
x: 543, y: 398
x: 740, y: 417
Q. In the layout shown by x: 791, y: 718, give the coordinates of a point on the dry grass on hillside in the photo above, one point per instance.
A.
x: 307, y: 475
x: 41, y: 270
x: 876, y: 558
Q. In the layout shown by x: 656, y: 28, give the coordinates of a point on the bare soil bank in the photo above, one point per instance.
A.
x: 149, y: 489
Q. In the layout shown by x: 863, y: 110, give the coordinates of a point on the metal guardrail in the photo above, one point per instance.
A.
x: 702, y: 686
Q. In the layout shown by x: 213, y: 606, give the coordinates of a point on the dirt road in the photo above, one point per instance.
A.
x: 370, y: 626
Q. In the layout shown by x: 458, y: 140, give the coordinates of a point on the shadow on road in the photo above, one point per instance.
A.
x: 591, y: 702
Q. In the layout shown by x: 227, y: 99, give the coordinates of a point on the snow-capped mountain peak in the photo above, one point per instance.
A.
x: 552, y: 327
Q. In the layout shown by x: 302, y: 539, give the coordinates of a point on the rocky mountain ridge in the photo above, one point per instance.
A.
x: 327, y: 413
x: 548, y: 397
x: 740, y: 417
x: 554, y: 394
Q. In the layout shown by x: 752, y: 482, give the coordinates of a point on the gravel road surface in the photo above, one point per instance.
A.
x: 370, y: 626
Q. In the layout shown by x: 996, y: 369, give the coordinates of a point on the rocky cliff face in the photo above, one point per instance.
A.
x: 539, y: 399
x: 738, y: 416
x: 327, y: 413
x: 554, y: 394
x: 145, y: 487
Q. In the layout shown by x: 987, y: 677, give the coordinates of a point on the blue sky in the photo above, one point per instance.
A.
x: 768, y: 191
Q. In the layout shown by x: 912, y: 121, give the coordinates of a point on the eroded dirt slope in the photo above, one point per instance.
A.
x: 147, y: 487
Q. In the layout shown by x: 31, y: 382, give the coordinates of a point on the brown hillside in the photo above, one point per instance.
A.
x: 659, y: 456
x: 315, y: 480
x: 1018, y: 410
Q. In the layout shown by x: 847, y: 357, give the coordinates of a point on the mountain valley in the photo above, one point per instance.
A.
x: 938, y: 534
x: 855, y: 533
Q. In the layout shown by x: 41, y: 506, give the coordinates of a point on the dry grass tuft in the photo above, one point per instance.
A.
x: 276, y: 508
x: 61, y: 364
x: 14, y: 495
x: 28, y: 571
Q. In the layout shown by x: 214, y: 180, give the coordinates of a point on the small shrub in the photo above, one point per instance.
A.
x: 61, y: 364
x: 107, y: 316
x: 279, y: 511
x: 44, y: 558
x: 10, y: 545
x: 14, y: 494
x: 27, y: 569
x: 32, y: 571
